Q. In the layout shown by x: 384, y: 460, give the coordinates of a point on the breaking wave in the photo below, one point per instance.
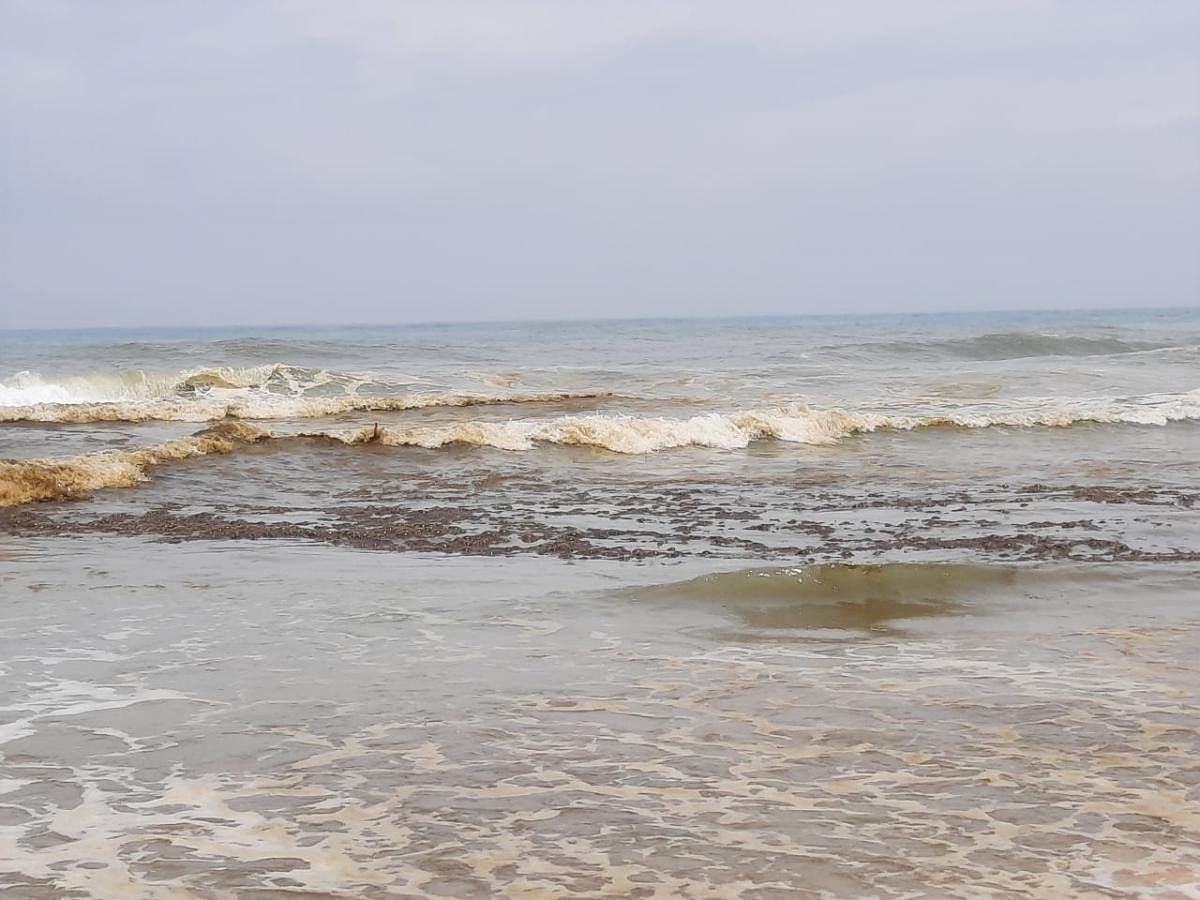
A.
x: 798, y: 423
x: 78, y: 476
x: 50, y: 479
x: 265, y: 407
x: 31, y: 389
x: 201, y: 395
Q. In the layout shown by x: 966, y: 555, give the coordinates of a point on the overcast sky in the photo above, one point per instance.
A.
x: 250, y: 161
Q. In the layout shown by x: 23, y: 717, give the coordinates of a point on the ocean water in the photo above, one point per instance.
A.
x: 888, y: 606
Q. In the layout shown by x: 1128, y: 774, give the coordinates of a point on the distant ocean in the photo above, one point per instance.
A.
x: 902, y: 605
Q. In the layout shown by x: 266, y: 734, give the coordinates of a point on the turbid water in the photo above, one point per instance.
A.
x: 883, y: 606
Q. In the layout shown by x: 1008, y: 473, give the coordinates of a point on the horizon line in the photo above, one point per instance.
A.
x: 583, y: 320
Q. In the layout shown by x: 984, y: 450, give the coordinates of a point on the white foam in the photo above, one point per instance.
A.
x: 797, y: 423
x: 45, y: 479
x: 31, y: 389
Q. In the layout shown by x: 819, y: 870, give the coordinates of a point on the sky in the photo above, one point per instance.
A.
x: 304, y: 161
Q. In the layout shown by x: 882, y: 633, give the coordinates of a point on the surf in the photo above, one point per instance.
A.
x: 23, y: 481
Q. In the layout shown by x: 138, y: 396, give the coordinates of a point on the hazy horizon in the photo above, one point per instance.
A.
x: 1066, y: 311
x: 268, y: 163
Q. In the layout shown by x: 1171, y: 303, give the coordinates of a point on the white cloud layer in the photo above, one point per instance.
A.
x: 299, y: 160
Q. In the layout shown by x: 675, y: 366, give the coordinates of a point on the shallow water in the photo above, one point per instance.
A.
x: 196, y: 718
x: 886, y: 606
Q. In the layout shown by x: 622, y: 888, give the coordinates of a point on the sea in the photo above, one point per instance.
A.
x: 889, y: 606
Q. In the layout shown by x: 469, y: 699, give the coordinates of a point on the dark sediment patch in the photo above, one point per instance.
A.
x: 510, y: 529
x: 1111, y: 494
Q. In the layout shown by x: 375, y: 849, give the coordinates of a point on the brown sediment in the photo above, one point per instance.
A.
x: 432, y: 531
x: 502, y: 531
x: 24, y: 481
x: 1092, y: 493
x: 475, y: 508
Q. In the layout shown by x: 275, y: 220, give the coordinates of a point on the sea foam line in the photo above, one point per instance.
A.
x: 797, y: 423
x: 263, y: 406
x: 22, y: 481
x: 276, y: 391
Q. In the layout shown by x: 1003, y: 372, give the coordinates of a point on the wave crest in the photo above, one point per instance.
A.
x: 65, y: 479
x: 31, y: 389
x: 628, y: 434
x: 22, y: 481
x: 261, y: 406
x: 798, y: 424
